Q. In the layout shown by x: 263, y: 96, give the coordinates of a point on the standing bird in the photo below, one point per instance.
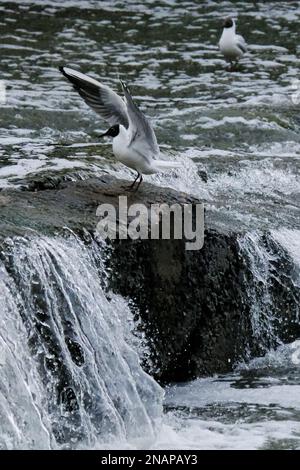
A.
x: 233, y: 46
x: 134, y: 140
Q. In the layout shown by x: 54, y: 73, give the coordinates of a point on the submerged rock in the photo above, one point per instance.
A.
x: 201, y: 311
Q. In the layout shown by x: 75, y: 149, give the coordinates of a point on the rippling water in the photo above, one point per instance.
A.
x: 255, y: 408
x: 237, y: 134
x: 241, y: 128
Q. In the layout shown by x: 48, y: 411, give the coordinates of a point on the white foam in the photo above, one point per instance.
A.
x: 290, y: 240
x: 212, y: 435
x: 203, y: 392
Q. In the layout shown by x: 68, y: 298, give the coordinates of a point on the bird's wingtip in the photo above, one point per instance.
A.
x: 124, y: 86
x: 61, y: 68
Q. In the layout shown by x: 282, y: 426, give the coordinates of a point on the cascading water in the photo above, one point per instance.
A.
x: 24, y: 423
x: 259, y: 258
x: 271, y: 289
x: 70, y: 375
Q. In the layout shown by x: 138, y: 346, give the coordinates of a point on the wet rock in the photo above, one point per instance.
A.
x: 76, y: 351
x: 42, y: 184
x: 203, y: 175
x: 190, y: 303
x: 197, y: 306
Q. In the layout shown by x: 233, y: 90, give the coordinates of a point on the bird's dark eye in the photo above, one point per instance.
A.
x: 114, y: 130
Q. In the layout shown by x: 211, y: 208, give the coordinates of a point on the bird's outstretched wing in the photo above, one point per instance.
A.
x: 99, y: 97
x: 241, y: 43
x: 143, y: 138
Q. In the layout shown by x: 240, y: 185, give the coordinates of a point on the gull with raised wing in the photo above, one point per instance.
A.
x: 232, y: 45
x: 134, y: 140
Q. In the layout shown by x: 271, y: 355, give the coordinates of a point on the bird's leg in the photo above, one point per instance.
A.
x: 138, y: 185
x: 129, y: 188
x: 132, y: 185
x: 229, y: 66
x: 234, y: 65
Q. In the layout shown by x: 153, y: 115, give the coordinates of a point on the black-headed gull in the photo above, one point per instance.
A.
x: 232, y: 45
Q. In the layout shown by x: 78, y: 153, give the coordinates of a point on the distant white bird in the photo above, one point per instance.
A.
x: 134, y: 140
x: 233, y: 46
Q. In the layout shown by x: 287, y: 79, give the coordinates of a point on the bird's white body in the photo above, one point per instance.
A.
x: 232, y: 45
x: 128, y: 155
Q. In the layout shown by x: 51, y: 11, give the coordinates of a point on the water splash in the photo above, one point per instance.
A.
x: 290, y: 241
x: 272, y: 285
x: 23, y: 422
x: 256, y: 253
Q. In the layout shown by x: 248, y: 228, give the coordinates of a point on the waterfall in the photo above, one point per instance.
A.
x: 69, y: 363
x: 259, y: 259
x: 272, y: 286
x: 70, y: 374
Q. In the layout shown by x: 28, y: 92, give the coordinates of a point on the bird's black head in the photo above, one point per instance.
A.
x: 113, y: 131
x: 228, y: 22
